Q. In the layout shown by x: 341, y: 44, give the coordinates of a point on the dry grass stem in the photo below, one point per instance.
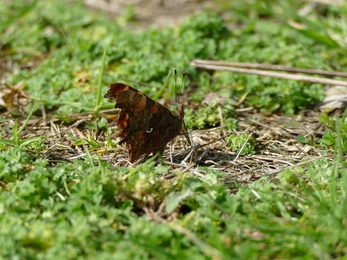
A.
x: 226, y: 66
x: 275, y: 137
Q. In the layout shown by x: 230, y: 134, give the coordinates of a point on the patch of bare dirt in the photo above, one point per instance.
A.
x: 152, y: 12
x: 275, y: 136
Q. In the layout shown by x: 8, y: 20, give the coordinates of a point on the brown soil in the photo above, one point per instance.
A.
x: 275, y: 137
x: 152, y: 12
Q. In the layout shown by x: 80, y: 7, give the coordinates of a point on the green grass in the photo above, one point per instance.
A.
x: 88, y: 209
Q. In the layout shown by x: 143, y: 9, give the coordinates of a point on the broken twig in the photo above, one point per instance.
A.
x: 250, y: 68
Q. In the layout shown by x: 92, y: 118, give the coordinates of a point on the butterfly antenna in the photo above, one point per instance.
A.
x: 182, y: 85
x: 175, y: 84
x: 183, y: 81
x: 185, y: 130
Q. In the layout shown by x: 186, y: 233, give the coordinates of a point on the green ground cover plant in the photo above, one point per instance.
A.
x: 262, y: 185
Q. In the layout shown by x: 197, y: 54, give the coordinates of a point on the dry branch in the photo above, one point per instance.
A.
x: 250, y: 68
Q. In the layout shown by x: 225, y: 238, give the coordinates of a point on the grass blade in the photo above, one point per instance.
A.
x: 101, y: 76
x: 22, y: 12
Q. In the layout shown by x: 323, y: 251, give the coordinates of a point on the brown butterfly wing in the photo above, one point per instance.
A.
x: 145, y: 126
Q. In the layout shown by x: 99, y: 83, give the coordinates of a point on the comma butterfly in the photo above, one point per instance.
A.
x: 144, y: 125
